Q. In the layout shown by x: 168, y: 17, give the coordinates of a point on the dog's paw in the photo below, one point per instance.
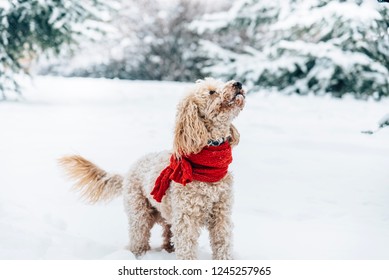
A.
x: 139, y: 250
x: 222, y: 257
x: 168, y: 247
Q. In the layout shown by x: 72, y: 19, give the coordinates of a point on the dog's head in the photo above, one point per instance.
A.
x: 206, y: 114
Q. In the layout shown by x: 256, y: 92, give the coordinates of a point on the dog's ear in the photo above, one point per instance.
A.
x: 190, y: 134
x: 235, y: 136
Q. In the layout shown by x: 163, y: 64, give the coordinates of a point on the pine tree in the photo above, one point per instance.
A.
x: 321, y: 47
x: 29, y: 28
x: 151, y: 41
x: 164, y: 46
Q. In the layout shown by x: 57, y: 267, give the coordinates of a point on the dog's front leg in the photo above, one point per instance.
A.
x: 186, y: 231
x: 220, y: 228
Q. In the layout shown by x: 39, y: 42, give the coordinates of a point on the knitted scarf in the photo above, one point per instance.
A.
x: 209, y: 165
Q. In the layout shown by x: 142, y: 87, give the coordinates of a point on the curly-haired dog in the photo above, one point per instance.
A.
x: 184, y: 189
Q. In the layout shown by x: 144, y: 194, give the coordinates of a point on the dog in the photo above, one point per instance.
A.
x: 184, y: 189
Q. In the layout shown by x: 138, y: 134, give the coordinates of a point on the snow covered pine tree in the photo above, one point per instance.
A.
x: 152, y: 43
x: 383, y: 122
x: 321, y: 46
x: 30, y: 27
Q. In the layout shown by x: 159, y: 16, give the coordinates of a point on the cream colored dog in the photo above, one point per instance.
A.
x: 204, y: 118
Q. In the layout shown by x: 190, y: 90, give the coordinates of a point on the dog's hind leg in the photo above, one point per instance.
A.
x: 167, y: 235
x: 141, y: 216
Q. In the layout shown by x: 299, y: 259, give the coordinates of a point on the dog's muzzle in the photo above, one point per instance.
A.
x: 239, y: 95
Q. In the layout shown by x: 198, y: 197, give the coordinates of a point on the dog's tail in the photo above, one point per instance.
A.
x: 94, y: 183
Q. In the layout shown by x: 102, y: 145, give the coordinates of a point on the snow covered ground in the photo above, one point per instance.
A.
x: 308, y: 184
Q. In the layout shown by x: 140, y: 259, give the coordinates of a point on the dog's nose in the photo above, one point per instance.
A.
x: 238, y: 85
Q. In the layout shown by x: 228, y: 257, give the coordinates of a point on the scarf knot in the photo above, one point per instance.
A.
x: 209, y: 165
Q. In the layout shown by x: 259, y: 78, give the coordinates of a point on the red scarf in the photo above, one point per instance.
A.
x: 210, y: 165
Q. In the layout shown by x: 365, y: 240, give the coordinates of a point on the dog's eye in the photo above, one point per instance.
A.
x: 212, y: 92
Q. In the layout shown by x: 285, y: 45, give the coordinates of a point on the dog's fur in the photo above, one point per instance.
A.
x: 204, y: 114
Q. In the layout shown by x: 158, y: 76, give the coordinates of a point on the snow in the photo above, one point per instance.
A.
x: 308, y: 184
x: 297, y: 43
x: 384, y: 121
x: 306, y: 16
x: 4, y: 4
x: 323, y: 50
